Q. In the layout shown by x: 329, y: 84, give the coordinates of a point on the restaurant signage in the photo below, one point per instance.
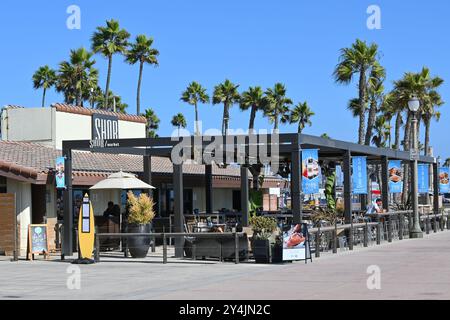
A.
x: 59, y: 176
x: 395, y: 176
x: 104, y: 127
x: 37, y: 240
x: 423, y: 180
x: 359, y: 177
x: 296, y: 244
x: 310, y: 171
x: 444, y: 186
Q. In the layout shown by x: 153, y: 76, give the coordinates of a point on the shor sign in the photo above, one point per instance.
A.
x: 104, y: 127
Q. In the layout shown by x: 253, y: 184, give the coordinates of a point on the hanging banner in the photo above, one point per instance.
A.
x: 59, y: 176
x: 339, y: 176
x: 444, y: 185
x: 423, y: 179
x: 359, y: 177
x: 395, y: 170
x: 310, y: 171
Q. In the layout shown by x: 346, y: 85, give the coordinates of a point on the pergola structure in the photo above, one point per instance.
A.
x: 249, y: 150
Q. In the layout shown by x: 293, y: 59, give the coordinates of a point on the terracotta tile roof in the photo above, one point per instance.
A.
x: 62, y: 107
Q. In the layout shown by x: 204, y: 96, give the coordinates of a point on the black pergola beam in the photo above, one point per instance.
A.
x: 178, y: 208
x: 347, y: 170
x: 296, y: 184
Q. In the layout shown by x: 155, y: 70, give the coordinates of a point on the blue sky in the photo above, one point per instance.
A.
x: 252, y: 42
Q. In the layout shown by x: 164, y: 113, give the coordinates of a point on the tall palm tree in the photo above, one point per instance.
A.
x: 179, y: 121
x: 301, y: 114
x: 447, y: 162
x: 375, y: 97
x: 382, y: 132
x: 75, y: 75
x: 193, y: 95
x: 252, y: 98
x: 227, y: 94
x: 277, y: 104
x: 359, y: 59
x: 141, y: 51
x: 44, y: 78
x: 152, y: 123
x: 108, y: 41
x: 429, y: 112
x: 117, y: 102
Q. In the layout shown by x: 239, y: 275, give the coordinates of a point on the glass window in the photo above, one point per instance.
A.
x: 2, y: 185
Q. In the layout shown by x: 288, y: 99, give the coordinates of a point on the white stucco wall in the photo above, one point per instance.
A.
x: 70, y: 126
x: 128, y: 129
x: 23, y: 209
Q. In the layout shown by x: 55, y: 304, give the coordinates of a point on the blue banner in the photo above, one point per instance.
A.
x: 59, y: 176
x: 395, y: 172
x: 444, y: 186
x: 359, y: 177
x: 339, y: 176
x: 423, y: 179
x: 310, y: 171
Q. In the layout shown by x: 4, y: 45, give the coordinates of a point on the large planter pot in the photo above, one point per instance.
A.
x: 139, y: 246
x: 261, y: 251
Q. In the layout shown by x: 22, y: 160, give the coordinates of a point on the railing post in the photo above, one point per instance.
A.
x: 435, y: 225
x: 389, y: 222
x: 366, y: 230
x: 335, y: 238
x: 317, y: 239
x: 379, y: 232
x: 427, y: 227
x: 164, y: 249
x: 194, y: 251
x: 350, y: 244
x: 97, y: 249
x: 441, y: 224
x: 400, y: 226
x: 236, y: 247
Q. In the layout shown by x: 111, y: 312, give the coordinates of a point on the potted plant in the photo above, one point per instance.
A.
x: 263, y: 238
x: 140, y: 216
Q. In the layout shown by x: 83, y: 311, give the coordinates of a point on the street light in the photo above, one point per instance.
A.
x: 415, y: 231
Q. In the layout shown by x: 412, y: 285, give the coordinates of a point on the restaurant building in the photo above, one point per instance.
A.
x: 31, y: 141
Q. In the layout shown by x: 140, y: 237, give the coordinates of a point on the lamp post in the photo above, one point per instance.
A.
x: 415, y: 231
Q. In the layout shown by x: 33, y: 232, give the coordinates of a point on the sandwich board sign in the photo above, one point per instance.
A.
x: 296, y: 243
x: 86, y: 229
x: 37, y: 240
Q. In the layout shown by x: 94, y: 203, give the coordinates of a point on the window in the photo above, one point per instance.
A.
x: 2, y: 185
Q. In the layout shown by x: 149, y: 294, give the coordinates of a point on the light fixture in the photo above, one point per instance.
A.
x: 414, y: 104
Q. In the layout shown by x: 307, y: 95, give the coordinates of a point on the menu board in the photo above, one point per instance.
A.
x: 296, y: 245
x: 38, y: 239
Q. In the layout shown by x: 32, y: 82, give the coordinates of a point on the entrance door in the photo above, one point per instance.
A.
x: 38, y: 203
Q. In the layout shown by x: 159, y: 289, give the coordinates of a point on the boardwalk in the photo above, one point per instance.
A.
x: 410, y: 269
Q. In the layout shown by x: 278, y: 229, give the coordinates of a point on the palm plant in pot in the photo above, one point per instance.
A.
x: 264, y: 238
x: 140, y: 216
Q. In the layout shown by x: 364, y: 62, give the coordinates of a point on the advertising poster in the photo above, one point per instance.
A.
x: 59, y: 176
x: 444, y: 186
x: 295, y: 243
x: 395, y: 172
x: 310, y: 171
x: 359, y: 176
x: 423, y: 180
x: 339, y: 176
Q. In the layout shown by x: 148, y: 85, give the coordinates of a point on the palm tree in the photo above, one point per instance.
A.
x: 301, y: 114
x: 382, y: 132
x: 193, y: 95
x: 75, y: 75
x: 447, y: 162
x: 429, y: 112
x: 44, y: 78
x: 227, y: 94
x: 152, y: 123
x: 375, y: 96
x: 325, y: 136
x: 143, y: 52
x: 358, y: 59
x: 110, y: 40
x: 118, y: 105
x: 252, y: 98
x: 277, y: 104
x: 178, y: 121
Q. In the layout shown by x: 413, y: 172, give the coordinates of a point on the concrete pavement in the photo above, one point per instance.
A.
x: 409, y: 269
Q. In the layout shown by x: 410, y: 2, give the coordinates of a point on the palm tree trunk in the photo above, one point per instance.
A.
x: 108, y: 78
x: 362, y: 104
x: 43, y: 98
x: 138, y: 94
x: 299, y: 127
x: 275, y: 127
x: 226, y: 117
x: 398, y: 125
x: 427, y: 137
x: 251, y: 124
x: 196, y: 120
x: 371, y: 122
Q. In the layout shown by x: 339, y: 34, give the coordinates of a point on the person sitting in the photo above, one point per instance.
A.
x: 113, y: 211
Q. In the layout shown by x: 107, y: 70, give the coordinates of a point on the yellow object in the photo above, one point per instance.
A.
x: 86, y: 229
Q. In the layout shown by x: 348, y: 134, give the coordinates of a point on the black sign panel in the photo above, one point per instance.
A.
x: 105, y: 127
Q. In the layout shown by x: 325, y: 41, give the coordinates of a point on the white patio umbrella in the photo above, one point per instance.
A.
x: 121, y: 180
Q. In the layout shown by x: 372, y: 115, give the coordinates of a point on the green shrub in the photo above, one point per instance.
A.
x: 140, y: 209
x: 263, y: 227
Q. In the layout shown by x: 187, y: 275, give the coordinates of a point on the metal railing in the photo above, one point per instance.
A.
x: 166, y: 236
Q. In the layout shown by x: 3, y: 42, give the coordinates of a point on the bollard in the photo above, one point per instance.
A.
x: 164, y: 249
x: 97, y: 249
x: 400, y: 226
x: 236, y: 247
x: 435, y: 225
x: 366, y: 230
x: 317, y: 239
x: 379, y: 233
